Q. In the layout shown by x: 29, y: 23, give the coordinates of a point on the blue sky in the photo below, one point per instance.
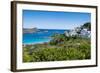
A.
x: 54, y: 20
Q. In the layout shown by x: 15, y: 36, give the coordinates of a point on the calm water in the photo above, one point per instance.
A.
x: 43, y: 35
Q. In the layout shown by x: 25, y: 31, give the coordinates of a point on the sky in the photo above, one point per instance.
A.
x: 53, y: 19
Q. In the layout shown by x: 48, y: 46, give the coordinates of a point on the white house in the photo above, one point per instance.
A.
x: 85, y: 33
x: 66, y: 33
x: 71, y: 33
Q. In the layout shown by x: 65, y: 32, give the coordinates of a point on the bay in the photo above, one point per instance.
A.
x: 41, y: 36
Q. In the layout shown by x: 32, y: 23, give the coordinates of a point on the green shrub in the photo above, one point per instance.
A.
x: 73, y: 49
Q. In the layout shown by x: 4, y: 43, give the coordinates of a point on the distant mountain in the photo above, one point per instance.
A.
x: 30, y: 30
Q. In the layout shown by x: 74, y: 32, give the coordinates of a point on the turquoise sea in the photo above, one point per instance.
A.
x: 41, y: 36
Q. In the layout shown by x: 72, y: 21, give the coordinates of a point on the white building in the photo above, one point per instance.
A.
x: 85, y: 33
x: 66, y: 33
x: 71, y: 33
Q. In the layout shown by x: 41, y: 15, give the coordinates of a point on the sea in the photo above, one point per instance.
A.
x: 41, y: 36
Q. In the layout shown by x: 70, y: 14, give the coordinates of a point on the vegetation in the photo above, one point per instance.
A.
x: 60, y: 48
x: 87, y: 26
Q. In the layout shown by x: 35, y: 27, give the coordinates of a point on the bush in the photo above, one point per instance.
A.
x: 59, y: 54
x: 59, y: 49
